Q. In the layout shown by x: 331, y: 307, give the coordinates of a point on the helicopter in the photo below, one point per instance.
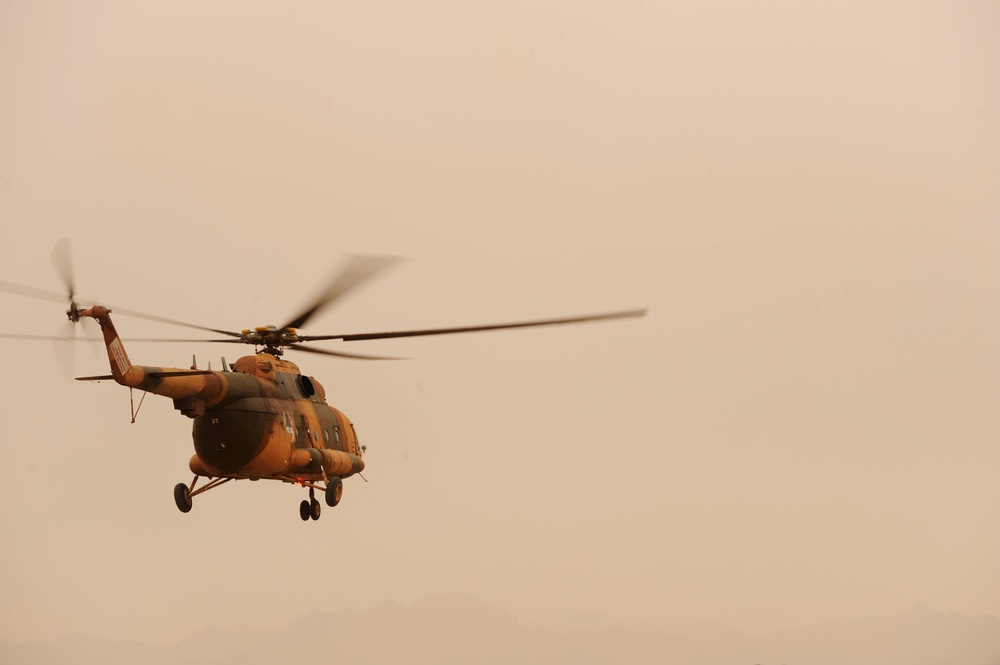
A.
x: 259, y: 418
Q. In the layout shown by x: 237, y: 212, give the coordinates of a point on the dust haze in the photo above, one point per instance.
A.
x: 802, y: 430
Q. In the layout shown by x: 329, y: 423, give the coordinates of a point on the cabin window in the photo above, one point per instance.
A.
x: 326, y: 435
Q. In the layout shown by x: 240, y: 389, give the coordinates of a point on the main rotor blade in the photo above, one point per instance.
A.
x: 162, y: 319
x: 339, y: 354
x: 358, y: 270
x: 498, y: 326
x: 71, y: 338
x: 170, y: 340
x: 41, y: 294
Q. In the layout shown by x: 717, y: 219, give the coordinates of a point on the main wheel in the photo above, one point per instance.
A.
x: 182, y: 497
x: 305, y: 510
x: 334, y: 490
x: 315, y: 509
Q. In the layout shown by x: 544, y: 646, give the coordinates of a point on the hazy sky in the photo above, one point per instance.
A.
x: 806, y: 195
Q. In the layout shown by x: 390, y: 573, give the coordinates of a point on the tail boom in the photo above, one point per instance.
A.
x: 175, y: 383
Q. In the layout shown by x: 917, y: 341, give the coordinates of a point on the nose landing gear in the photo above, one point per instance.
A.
x: 310, y: 508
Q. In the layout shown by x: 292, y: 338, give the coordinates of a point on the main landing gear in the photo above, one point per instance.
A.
x: 184, y: 493
x: 309, y: 509
x: 182, y: 497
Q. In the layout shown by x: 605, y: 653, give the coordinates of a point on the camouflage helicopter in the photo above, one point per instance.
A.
x: 260, y: 417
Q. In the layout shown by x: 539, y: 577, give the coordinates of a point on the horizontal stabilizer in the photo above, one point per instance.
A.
x: 155, y: 375
x: 106, y: 377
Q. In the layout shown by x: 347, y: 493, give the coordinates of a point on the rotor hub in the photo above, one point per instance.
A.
x: 271, y: 338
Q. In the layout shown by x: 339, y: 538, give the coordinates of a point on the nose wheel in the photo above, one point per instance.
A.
x: 310, y: 508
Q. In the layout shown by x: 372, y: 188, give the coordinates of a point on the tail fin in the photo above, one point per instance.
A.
x: 121, y: 366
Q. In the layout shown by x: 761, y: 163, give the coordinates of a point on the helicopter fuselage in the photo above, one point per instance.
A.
x: 271, y: 421
x: 262, y: 419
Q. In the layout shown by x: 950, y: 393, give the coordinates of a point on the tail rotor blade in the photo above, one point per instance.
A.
x: 31, y: 292
x: 62, y: 259
x: 65, y: 349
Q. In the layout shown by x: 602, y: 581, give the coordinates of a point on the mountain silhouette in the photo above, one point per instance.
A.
x: 453, y: 628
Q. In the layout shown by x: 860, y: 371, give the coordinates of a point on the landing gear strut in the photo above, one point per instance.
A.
x: 184, y: 493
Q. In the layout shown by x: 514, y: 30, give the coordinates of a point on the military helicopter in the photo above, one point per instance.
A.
x: 259, y: 418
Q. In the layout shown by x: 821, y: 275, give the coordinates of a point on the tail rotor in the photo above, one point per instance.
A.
x: 62, y: 259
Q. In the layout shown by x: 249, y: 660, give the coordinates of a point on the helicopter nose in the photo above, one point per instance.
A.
x: 228, y: 440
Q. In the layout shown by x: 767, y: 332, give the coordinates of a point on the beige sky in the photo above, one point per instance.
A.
x: 806, y: 195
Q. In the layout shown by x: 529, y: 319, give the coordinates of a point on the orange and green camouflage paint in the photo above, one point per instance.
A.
x: 263, y: 419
